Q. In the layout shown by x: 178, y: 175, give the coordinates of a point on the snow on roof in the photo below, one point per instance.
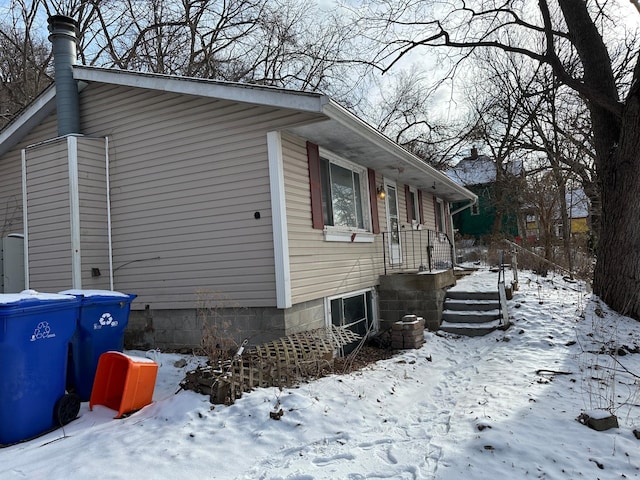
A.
x: 473, y: 171
x: 479, y: 170
x: 577, y: 203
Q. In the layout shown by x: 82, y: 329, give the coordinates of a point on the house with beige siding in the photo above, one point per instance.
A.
x: 260, y: 210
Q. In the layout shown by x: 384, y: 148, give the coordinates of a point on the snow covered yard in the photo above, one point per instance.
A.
x: 500, y: 406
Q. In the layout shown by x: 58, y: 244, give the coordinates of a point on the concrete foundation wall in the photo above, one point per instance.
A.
x: 420, y: 294
x: 305, y: 316
x: 399, y: 294
x: 183, y: 329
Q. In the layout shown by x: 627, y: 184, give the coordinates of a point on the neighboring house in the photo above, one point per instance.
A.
x: 257, y: 206
x: 496, y: 204
x: 578, y: 213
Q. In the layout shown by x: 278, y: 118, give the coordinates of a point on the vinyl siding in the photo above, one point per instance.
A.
x: 92, y: 191
x: 11, y: 180
x: 320, y: 268
x: 187, y: 176
x: 428, y: 211
x: 48, y: 213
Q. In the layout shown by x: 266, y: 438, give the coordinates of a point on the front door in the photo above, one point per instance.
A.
x: 393, y: 224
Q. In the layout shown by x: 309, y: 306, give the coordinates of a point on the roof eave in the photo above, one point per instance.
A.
x: 341, y: 115
x: 30, y: 117
x: 237, y: 92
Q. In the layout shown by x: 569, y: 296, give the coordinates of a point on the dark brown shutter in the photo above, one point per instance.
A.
x: 315, y: 185
x: 420, y: 208
x: 435, y: 213
x: 373, y: 200
x: 407, y: 200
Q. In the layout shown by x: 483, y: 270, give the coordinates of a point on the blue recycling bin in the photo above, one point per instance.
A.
x: 104, y: 315
x: 35, y: 329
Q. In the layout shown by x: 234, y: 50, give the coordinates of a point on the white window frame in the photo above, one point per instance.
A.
x: 364, y: 291
x: 441, y: 226
x: 415, y: 222
x: 341, y: 233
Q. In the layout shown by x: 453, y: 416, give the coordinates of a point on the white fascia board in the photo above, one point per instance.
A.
x: 237, y: 92
x: 341, y: 115
x: 35, y: 113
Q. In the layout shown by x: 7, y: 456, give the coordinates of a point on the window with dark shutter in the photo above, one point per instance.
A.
x: 340, y: 193
x: 313, y: 157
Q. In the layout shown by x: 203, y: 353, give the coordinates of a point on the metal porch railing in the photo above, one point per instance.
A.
x: 421, y: 250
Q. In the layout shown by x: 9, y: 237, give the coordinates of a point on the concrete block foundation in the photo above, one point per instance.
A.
x: 183, y: 330
x: 420, y: 294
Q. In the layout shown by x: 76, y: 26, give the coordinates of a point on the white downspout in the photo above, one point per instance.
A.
x: 109, y: 240
x: 25, y: 217
x: 451, y: 214
x: 464, y: 207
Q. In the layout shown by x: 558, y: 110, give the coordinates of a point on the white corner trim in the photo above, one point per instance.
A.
x: 74, y: 213
x: 279, y: 220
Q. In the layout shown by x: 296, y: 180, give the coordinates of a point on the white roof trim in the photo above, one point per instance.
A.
x: 24, y: 122
x: 238, y: 92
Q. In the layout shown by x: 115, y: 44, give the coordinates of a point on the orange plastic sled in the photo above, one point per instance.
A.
x: 123, y: 383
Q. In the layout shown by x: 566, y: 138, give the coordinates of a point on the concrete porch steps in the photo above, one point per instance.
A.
x: 471, y: 313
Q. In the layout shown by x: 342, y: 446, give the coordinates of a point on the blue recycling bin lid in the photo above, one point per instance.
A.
x: 99, y: 296
x: 31, y: 300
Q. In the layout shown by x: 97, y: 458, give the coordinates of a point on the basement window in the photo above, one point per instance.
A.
x: 353, y: 311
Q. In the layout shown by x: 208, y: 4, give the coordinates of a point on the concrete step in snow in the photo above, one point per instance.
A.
x: 475, y: 317
x: 462, y: 295
x: 470, y: 329
x: 470, y: 305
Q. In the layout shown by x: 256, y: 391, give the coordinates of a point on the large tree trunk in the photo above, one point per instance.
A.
x: 617, y: 143
x: 617, y: 274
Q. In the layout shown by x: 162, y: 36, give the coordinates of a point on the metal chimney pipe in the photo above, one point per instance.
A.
x: 63, y: 39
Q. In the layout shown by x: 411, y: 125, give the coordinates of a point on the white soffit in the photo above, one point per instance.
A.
x: 349, y: 137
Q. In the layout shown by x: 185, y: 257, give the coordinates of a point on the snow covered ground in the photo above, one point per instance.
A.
x: 458, y: 408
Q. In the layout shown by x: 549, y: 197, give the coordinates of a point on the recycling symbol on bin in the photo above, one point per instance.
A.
x: 106, y: 319
x: 42, y: 330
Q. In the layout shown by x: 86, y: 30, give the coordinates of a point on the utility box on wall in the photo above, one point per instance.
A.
x: 12, y: 264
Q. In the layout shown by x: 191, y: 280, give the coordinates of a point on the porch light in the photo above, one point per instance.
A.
x: 381, y: 193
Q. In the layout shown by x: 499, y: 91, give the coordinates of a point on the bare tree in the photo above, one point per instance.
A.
x: 498, y: 118
x: 402, y: 108
x: 541, y: 199
x: 572, y: 37
x: 286, y: 43
x: 24, y: 60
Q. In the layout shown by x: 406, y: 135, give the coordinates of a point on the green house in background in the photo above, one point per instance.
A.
x: 496, y: 212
